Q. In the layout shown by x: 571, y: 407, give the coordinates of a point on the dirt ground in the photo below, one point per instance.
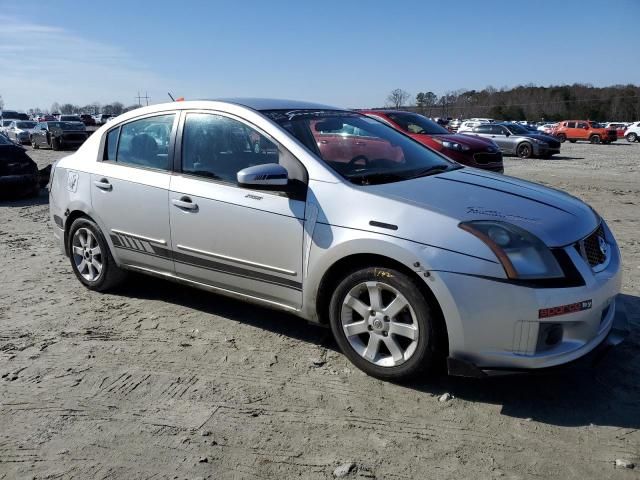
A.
x: 161, y: 381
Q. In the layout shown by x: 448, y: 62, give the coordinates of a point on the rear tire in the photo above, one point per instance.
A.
x: 91, y: 259
x: 595, y: 139
x: 381, y: 340
x: 55, y: 144
x: 562, y: 138
x: 632, y: 137
x: 34, y: 144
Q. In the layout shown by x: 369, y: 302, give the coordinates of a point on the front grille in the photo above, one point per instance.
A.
x: 485, y: 158
x: 553, y: 143
x: 589, y: 248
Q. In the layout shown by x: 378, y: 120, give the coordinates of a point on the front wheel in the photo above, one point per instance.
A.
x: 34, y: 144
x: 524, y: 150
x: 562, y: 137
x: 384, y: 324
x: 594, y: 139
x: 632, y: 137
x: 91, y: 258
x: 572, y: 141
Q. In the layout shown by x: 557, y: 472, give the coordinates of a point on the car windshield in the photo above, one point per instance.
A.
x: 5, y: 123
x: 26, y: 124
x: 359, y: 148
x: 415, y: 123
x: 64, y: 125
x: 516, y: 129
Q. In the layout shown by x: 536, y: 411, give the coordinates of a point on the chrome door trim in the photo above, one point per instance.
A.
x: 206, y: 286
x: 140, y: 237
x: 236, y: 260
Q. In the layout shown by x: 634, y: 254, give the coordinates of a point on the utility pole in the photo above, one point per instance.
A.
x: 140, y: 97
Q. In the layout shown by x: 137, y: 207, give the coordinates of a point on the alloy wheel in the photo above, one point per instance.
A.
x: 87, y: 256
x: 632, y: 137
x: 379, y: 324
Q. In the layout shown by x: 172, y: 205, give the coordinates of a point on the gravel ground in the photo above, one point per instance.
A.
x: 161, y: 381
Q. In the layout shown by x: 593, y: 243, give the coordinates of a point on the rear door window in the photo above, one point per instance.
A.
x: 145, y: 142
x: 571, y: 124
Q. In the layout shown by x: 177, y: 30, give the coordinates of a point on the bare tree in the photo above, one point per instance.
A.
x: 398, y: 97
x: 1, y: 103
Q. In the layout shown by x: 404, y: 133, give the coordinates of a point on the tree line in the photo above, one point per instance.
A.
x: 527, y: 102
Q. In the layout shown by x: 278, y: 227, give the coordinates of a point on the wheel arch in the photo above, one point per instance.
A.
x: 340, y: 268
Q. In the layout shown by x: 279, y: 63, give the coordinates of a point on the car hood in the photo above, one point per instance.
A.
x: 555, y: 217
x: 428, y: 209
x: 468, y: 140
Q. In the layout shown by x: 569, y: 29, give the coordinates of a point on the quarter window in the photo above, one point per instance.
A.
x: 112, y: 144
x: 144, y: 142
x: 218, y: 147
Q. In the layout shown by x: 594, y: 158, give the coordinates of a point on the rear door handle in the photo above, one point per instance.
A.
x: 103, y: 184
x: 185, y: 203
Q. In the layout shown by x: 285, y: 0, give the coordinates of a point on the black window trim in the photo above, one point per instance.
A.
x: 171, y: 149
x: 177, y: 157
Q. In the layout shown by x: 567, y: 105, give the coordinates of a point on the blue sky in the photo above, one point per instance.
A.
x: 347, y: 53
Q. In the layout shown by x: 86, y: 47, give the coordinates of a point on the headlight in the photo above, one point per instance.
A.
x: 522, y: 255
x: 537, y: 140
x: 454, y: 145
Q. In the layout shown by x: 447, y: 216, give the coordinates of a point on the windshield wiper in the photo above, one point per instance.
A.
x: 376, y: 177
x: 435, y: 169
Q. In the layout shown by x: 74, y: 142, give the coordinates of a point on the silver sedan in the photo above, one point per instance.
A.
x: 409, y: 258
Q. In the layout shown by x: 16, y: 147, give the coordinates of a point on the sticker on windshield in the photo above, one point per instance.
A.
x: 72, y: 181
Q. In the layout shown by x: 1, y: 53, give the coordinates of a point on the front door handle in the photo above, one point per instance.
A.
x: 185, y: 203
x: 103, y: 184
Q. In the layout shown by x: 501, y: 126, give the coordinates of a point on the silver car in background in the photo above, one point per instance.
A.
x: 20, y: 130
x: 514, y: 139
x: 409, y: 257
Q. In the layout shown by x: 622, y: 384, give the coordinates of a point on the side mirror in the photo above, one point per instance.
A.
x: 586, y: 127
x: 267, y: 176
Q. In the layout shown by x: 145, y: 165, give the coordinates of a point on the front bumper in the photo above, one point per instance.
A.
x: 498, y: 325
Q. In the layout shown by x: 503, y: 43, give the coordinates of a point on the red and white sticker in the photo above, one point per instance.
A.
x: 565, y: 309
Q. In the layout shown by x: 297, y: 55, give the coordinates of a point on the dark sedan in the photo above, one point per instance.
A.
x: 18, y: 173
x: 58, y: 135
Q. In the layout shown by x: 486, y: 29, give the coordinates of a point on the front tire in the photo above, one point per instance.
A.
x: 562, y: 138
x: 595, y: 139
x: 573, y: 141
x: 91, y: 259
x: 524, y: 150
x: 34, y: 144
x: 55, y: 144
x: 384, y: 324
x: 632, y: 137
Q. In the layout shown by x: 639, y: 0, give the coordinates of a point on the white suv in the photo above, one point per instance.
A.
x: 632, y: 133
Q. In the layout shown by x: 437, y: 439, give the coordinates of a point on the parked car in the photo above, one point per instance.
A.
x: 4, y: 125
x: 620, y: 128
x: 409, y: 258
x: 469, y: 125
x: 58, y: 135
x: 88, y: 120
x: 20, y: 130
x: 102, y: 118
x: 632, y: 133
x: 547, y: 128
x: 70, y: 118
x: 18, y: 173
x: 514, y: 139
x: 454, y: 125
x: 474, y: 152
x: 574, y: 130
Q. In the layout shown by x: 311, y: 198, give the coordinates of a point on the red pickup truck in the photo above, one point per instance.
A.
x: 574, y: 130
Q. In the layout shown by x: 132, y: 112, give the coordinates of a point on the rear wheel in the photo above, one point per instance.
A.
x: 34, y: 144
x: 594, y: 139
x: 562, y: 138
x: 55, y: 144
x: 632, y: 137
x: 524, y: 150
x: 91, y: 258
x: 384, y: 324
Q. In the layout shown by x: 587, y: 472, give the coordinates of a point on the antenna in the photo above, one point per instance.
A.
x: 171, y: 97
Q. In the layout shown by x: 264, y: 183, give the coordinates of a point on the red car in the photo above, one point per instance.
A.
x: 472, y: 151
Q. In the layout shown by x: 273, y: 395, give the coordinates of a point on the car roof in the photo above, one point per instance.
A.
x: 276, y: 104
